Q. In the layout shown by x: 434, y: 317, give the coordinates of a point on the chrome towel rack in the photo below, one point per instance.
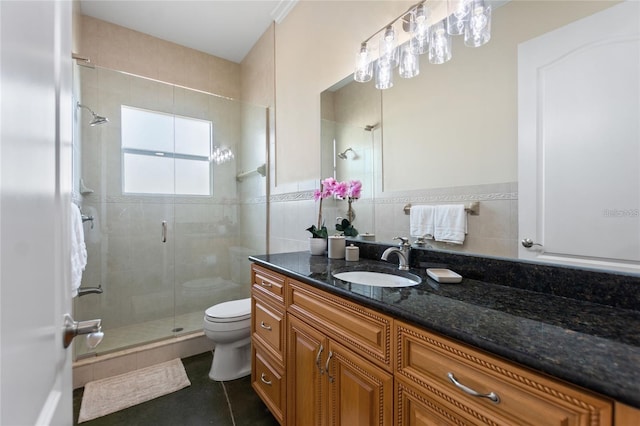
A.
x: 472, y: 208
x: 261, y: 170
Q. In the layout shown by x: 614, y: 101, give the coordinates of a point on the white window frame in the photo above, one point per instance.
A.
x: 168, y: 154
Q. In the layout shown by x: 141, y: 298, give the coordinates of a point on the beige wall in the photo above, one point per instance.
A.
x: 118, y: 48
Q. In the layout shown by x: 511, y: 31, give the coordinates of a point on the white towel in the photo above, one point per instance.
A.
x: 450, y: 223
x: 422, y: 221
x: 78, y: 249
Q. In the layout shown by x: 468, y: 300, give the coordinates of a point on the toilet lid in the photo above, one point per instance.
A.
x: 234, y: 310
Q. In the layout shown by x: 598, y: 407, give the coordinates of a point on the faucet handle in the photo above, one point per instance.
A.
x: 404, y: 241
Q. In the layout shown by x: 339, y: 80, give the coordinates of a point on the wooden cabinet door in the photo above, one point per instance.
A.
x: 306, y: 387
x: 360, y: 393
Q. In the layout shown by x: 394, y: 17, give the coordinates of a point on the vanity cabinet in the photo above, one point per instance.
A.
x: 437, y: 378
x: 330, y: 384
x: 268, y: 373
x: 336, y: 362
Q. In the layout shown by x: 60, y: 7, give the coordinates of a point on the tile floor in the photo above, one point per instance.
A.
x: 205, y: 402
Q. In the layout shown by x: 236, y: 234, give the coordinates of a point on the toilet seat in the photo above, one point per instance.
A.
x: 232, y: 311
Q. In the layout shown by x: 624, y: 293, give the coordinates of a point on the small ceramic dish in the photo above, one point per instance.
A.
x: 444, y: 275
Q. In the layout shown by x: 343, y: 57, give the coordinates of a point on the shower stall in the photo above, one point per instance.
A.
x: 168, y: 223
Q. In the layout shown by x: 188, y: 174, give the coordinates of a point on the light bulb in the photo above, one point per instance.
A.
x: 388, y: 51
x: 364, y: 65
x: 420, y: 32
x: 409, y: 64
x: 384, y: 75
x: 478, y: 30
x: 439, y: 44
x: 458, y: 16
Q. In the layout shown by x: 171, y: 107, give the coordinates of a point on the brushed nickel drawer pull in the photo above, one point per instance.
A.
x: 326, y: 367
x: 318, y: 360
x: 263, y: 377
x: 265, y: 284
x: 265, y: 326
x: 492, y: 396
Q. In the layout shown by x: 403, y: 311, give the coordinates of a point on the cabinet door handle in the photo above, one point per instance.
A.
x: 264, y: 380
x: 492, y: 396
x: 318, y: 360
x: 326, y: 366
x: 264, y: 284
x: 265, y: 326
x: 164, y: 231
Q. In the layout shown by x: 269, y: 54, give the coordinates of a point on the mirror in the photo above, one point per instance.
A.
x: 449, y: 135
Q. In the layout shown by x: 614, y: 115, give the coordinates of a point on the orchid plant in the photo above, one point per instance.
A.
x: 346, y: 190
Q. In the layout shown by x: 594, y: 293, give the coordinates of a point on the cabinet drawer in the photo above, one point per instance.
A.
x: 363, y: 330
x: 268, y: 380
x: 267, y: 327
x: 268, y: 283
x: 523, y: 396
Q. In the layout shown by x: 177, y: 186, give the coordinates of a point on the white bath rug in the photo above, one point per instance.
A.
x: 106, y: 396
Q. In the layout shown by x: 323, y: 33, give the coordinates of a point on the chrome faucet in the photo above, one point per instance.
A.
x: 402, y: 251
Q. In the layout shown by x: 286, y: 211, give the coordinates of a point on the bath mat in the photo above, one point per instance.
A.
x: 106, y: 396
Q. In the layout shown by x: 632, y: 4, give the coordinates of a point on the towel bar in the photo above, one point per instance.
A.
x: 472, y: 208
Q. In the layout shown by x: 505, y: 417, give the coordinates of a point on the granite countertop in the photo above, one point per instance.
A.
x: 591, y: 345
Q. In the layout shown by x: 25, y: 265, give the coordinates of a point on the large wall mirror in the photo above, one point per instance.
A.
x: 451, y: 133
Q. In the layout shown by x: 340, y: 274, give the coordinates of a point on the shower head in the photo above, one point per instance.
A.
x: 343, y: 155
x: 97, y: 119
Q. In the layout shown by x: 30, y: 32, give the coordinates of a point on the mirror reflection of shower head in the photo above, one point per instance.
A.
x: 97, y: 119
x: 343, y: 155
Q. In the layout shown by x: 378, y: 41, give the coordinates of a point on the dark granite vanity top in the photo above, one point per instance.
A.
x: 593, y: 345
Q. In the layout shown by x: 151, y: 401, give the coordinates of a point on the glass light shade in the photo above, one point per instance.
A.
x: 420, y: 30
x: 388, y: 44
x: 478, y: 30
x: 384, y: 75
x: 364, y: 65
x: 439, y: 44
x: 409, y: 61
x: 458, y: 18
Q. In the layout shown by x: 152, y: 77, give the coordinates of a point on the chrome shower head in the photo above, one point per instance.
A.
x: 97, y: 119
x: 343, y: 155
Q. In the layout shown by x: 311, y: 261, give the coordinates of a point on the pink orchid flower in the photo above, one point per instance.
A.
x: 355, y: 188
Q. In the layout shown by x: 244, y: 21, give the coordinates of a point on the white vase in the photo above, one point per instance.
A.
x: 317, y: 246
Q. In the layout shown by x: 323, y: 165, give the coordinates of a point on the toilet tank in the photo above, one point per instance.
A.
x: 240, y: 264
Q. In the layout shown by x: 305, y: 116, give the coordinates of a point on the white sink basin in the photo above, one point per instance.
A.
x: 378, y: 279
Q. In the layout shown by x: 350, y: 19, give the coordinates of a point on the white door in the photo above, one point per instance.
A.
x: 35, y: 169
x: 579, y: 141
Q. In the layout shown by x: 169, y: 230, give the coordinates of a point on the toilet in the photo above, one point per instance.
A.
x: 228, y: 324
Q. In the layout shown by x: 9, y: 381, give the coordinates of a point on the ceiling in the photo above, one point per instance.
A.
x: 224, y: 28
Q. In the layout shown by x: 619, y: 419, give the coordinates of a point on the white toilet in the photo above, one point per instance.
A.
x: 228, y: 324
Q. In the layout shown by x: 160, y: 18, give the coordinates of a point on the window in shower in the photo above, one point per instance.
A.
x: 165, y: 153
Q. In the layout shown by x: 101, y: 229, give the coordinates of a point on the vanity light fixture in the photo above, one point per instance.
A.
x: 469, y: 17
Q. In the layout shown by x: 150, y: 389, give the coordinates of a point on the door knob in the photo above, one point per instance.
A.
x: 92, y: 329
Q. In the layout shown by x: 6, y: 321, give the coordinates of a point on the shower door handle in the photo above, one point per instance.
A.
x: 164, y: 231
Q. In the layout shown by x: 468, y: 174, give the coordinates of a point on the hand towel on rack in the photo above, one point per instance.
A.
x: 78, y: 249
x: 422, y: 221
x: 450, y: 223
